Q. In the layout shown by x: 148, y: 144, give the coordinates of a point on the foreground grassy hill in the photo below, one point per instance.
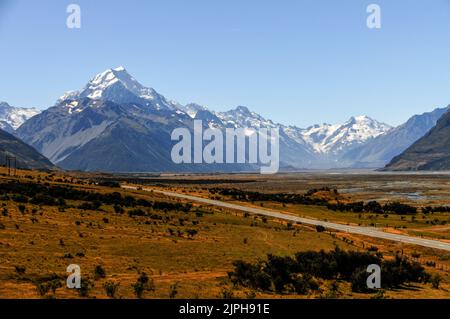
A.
x: 49, y: 221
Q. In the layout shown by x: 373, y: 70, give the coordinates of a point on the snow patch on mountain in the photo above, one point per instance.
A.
x: 69, y: 95
x: 328, y: 138
x: 14, y: 117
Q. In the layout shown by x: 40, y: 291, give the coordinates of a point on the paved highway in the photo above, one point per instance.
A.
x: 360, y: 230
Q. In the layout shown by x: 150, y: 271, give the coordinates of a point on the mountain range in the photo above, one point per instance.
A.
x: 116, y: 124
x: 116, y: 115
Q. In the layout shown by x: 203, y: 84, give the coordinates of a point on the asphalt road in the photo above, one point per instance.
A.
x: 360, y: 230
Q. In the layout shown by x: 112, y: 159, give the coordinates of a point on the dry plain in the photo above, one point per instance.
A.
x: 187, y: 253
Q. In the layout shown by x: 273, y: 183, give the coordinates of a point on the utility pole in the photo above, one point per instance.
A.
x: 11, y: 165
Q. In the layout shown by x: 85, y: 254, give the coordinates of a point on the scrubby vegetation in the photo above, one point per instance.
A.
x: 185, y: 250
x: 333, y: 203
x: 48, y: 283
x: 436, y: 209
x: 86, y: 286
x: 299, y: 274
x: 57, y: 195
x: 374, y: 207
x: 143, y: 284
x: 238, y: 194
x: 111, y: 288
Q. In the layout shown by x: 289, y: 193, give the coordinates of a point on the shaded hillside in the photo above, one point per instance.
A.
x: 431, y: 152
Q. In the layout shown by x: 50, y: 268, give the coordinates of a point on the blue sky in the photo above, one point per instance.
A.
x: 295, y: 61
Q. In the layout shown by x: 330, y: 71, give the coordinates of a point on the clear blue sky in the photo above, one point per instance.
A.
x: 297, y: 62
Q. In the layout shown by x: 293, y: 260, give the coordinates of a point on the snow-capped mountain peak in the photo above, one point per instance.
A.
x: 364, y: 120
x: 363, y: 127
x: 242, y: 110
x: 328, y: 138
x: 118, y: 86
x: 97, y: 86
x: 192, y: 109
x: 241, y: 116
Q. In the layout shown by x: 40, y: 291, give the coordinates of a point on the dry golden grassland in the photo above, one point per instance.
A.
x: 38, y: 242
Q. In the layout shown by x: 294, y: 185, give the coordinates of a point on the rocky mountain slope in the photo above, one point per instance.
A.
x: 431, y: 152
x: 26, y: 156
